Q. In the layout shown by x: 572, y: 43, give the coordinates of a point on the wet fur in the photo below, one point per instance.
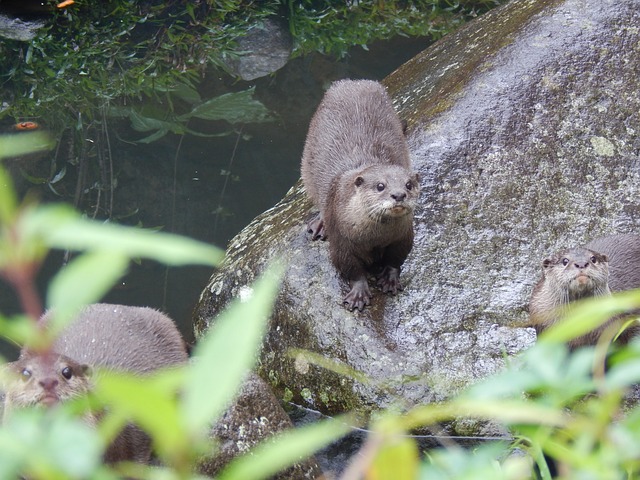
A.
x: 133, y: 339
x: 355, y: 142
x: 616, y: 269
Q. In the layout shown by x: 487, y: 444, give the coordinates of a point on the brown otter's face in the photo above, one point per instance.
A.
x: 45, y: 380
x: 581, y: 271
x: 394, y: 189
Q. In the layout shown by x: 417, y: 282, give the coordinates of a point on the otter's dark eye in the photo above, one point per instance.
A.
x: 594, y: 259
x: 380, y: 187
x: 409, y: 186
x: 67, y: 373
x: 565, y: 261
x: 26, y: 374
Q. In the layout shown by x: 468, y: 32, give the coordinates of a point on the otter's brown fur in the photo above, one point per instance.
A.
x: 133, y: 339
x: 357, y: 171
x: 605, y: 265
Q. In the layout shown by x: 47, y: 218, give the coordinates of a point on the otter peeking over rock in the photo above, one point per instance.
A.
x: 604, y: 265
x: 137, y: 340
x: 357, y: 171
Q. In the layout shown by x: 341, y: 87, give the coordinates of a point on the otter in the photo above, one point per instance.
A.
x: 137, y: 340
x: 604, y: 265
x: 356, y: 170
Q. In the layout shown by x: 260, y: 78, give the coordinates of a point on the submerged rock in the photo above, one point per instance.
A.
x: 265, y: 49
x: 523, y: 126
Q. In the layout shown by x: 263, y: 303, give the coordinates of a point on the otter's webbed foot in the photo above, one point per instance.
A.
x: 389, y: 280
x: 316, y: 228
x: 359, y: 296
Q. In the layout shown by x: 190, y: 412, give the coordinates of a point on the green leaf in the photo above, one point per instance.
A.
x: 84, y: 280
x: 8, y: 204
x: 153, y: 137
x: 36, y: 440
x: 187, y: 93
x: 398, y: 459
x: 273, y: 455
x: 238, y: 107
x: 506, y: 411
x: 624, y: 375
x: 586, y: 315
x: 227, y: 352
x: 147, y: 402
x: 147, y: 124
x: 61, y: 227
x: 18, y: 330
x: 23, y: 143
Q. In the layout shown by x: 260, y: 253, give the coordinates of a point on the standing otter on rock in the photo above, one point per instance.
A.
x: 357, y: 171
x: 605, y: 265
x: 131, y: 339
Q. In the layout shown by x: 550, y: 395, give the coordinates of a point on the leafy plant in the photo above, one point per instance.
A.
x: 235, y: 108
x: 56, y: 444
x: 563, y: 409
x: 333, y: 27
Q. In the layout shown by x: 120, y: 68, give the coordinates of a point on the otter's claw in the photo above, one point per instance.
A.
x: 316, y: 228
x: 389, y: 280
x: 359, y: 296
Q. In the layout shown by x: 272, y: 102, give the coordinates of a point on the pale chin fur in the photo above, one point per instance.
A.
x: 577, y: 285
x: 389, y: 209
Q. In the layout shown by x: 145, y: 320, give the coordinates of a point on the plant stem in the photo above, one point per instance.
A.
x: 22, y: 278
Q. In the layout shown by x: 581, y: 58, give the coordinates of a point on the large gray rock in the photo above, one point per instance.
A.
x: 524, y: 128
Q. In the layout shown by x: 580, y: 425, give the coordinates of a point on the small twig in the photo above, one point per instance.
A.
x: 173, y: 216
x: 226, y: 181
x: 22, y: 279
x: 105, y: 131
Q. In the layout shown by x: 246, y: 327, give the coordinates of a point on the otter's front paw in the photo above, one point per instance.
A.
x: 359, y: 296
x: 316, y: 228
x: 389, y: 280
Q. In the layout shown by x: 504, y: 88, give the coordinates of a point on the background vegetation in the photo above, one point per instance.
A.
x: 95, y: 63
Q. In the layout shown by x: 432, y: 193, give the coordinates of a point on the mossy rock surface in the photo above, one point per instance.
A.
x: 524, y: 128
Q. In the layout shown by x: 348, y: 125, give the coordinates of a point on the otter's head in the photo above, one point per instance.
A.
x: 45, y: 380
x: 579, y: 272
x: 389, y: 191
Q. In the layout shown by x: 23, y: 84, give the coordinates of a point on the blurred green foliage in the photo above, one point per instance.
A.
x: 568, y: 412
x: 176, y: 407
x: 333, y: 27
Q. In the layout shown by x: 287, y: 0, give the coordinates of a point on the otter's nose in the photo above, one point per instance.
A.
x: 49, y: 384
x: 582, y: 265
x: 399, y: 197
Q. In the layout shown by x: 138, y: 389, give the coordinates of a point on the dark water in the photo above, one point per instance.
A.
x: 176, y: 182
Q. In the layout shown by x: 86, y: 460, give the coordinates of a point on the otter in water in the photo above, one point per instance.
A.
x: 132, y: 339
x: 357, y: 171
x: 605, y: 265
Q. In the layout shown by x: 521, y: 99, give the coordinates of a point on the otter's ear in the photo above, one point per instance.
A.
x: 359, y: 181
x: 548, y: 262
x: 85, y: 370
x: 416, y: 178
x: 604, y: 257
